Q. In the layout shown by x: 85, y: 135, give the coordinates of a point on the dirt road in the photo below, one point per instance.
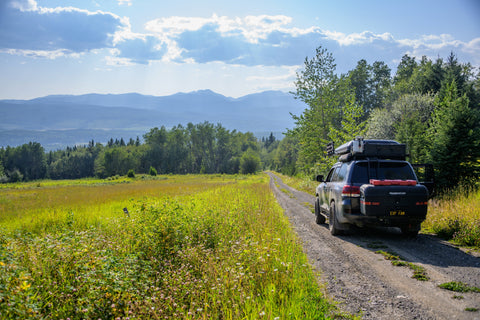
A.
x: 364, y: 283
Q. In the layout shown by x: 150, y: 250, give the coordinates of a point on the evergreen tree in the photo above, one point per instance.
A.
x: 455, y: 138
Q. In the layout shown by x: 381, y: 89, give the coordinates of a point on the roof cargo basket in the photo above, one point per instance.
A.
x: 362, y: 149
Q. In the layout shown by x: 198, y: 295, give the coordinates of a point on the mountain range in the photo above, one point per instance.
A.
x: 56, y: 121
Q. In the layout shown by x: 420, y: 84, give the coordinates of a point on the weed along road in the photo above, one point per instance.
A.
x: 380, y: 274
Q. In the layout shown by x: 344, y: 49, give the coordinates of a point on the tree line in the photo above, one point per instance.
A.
x: 199, y: 148
x: 431, y: 106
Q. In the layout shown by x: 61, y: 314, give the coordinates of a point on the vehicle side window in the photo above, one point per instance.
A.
x: 342, y: 173
x: 360, y: 173
x: 335, y: 175
x: 330, y: 175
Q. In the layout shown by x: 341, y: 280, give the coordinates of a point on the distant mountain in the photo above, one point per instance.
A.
x: 76, y: 119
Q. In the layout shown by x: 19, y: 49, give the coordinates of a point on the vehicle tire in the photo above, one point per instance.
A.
x: 319, y: 218
x: 332, y: 221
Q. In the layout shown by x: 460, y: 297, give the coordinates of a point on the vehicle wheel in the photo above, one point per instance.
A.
x: 332, y: 221
x: 319, y: 218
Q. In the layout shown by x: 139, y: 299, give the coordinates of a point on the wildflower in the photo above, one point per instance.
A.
x: 261, y: 314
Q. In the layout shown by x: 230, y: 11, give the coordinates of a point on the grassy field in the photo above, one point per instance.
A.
x: 191, y: 247
x: 454, y: 216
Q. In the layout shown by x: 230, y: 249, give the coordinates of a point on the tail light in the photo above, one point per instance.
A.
x: 351, y: 191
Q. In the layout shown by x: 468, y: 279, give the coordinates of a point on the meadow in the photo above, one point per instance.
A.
x: 454, y: 216
x: 190, y: 247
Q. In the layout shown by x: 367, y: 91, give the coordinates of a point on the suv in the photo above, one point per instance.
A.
x: 372, y: 184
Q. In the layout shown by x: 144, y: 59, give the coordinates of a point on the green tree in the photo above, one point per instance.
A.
x: 360, y: 80
x: 427, y: 77
x: 381, y: 124
x: 29, y: 159
x: 381, y: 84
x: 155, y: 154
x: 455, y: 137
x: 286, y: 155
x: 405, y: 70
x: 352, y: 124
x: 316, y: 85
x: 371, y: 83
x: 223, y: 149
x: 406, y: 121
x: 412, y: 115
x: 250, y: 162
x: 176, y: 150
x: 116, y: 161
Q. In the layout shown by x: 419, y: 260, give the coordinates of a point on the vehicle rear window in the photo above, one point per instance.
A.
x: 382, y: 171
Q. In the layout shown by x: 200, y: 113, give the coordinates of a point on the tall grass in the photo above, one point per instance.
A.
x: 192, y: 247
x: 456, y: 216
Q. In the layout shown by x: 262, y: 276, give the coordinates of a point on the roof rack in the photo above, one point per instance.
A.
x: 363, y: 149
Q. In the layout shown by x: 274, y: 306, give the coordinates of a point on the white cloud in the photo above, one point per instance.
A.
x: 262, y: 40
x: 40, y: 53
x: 27, y: 27
x: 432, y: 42
x: 362, y: 38
x: 251, y: 28
x: 24, y: 5
x: 473, y: 46
x: 125, y: 2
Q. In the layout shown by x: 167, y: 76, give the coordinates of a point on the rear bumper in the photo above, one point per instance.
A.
x: 384, y: 221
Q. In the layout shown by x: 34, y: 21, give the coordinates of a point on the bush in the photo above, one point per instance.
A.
x: 131, y: 173
x: 15, y: 176
x: 152, y: 171
x: 249, y: 163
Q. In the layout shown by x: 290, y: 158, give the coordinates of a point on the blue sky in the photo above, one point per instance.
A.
x: 231, y: 47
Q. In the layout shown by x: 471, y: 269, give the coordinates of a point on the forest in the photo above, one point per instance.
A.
x: 431, y: 106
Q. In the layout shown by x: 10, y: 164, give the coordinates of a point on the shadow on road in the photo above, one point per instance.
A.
x: 425, y: 249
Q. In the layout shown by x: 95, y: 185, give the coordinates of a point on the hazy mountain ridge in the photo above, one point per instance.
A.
x: 86, y: 116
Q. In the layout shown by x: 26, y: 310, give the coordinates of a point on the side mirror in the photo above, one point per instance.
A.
x: 320, y: 178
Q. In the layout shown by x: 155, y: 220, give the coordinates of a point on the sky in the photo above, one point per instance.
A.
x: 234, y: 48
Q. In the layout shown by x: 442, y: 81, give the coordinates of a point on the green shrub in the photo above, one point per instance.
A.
x: 152, y: 171
x: 131, y: 173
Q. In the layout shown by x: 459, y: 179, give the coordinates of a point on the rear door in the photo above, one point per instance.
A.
x: 425, y: 176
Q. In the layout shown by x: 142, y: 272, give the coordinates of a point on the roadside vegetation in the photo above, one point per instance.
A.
x: 191, y: 247
x: 456, y: 216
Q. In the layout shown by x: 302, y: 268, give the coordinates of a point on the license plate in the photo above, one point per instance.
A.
x: 397, y: 213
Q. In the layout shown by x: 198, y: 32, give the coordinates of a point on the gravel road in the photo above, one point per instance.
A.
x: 364, y: 283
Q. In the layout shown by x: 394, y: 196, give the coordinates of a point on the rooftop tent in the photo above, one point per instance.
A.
x: 381, y: 149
